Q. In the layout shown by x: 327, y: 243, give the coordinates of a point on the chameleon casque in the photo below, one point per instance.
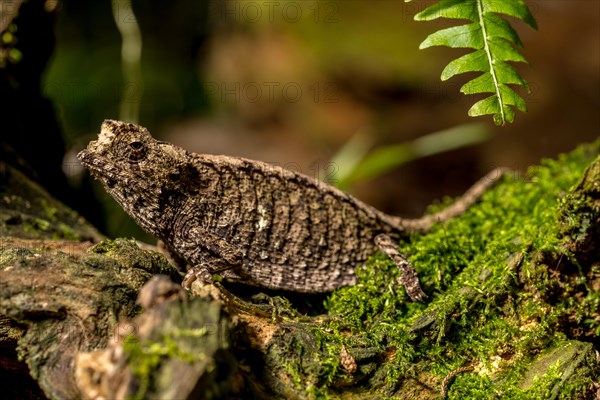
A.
x: 250, y: 221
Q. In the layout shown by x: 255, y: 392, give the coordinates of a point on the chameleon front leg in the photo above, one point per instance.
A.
x: 409, y: 278
x: 197, y: 272
x: 204, y: 273
x: 212, y: 254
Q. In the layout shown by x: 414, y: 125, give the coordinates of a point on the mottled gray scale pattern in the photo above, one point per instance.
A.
x: 228, y: 215
x: 297, y: 233
x: 262, y: 218
x: 318, y: 230
x: 334, y: 244
x: 248, y: 220
x: 241, y: 236
x: 279, y: 227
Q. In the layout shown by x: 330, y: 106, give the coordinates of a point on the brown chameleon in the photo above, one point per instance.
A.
x: 250, y: 221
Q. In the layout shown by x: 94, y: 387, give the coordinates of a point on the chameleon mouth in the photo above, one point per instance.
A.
x: 107, y: 172
x: 87, y: 160
x: 84, y: 157
x: 97, y: 166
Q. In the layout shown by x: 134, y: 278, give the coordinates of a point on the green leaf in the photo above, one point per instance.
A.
x: 495, y: 43
x: 458, y: 36
x: 481, y: 84
x: 511, y: 97
x: 454, y: 9
x: 491, y: 104
x: 476, y: 61
x: 499, y: 27
x: 362, y: 166
x: 504, y: 51
x: 514, y: 8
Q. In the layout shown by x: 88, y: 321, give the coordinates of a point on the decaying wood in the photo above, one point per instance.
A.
x: 174, y: 349
x: 67, y: 297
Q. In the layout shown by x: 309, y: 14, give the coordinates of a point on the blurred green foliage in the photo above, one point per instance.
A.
x: 85, y: 79
x: 355, y: 164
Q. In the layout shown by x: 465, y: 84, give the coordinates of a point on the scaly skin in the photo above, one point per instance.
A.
x: 251, y: 221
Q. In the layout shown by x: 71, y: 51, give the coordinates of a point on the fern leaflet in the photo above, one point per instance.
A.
x: 494, y: 41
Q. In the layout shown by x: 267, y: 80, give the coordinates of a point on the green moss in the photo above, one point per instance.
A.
x: 189, y: 344
x: 65, y: 232
x: 504, y: 284
x: 28, y: 211
x: 145, y: 356
x: 127, y: 253
x: 144, y: 362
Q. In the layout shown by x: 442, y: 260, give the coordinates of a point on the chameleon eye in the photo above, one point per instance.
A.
x: 136, y: 151
x: 131, y: 149
x: 135, y: 145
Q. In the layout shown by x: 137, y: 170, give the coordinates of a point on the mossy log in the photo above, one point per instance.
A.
x: 513, y: 311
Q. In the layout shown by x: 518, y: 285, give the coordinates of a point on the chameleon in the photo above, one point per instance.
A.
x: 251, y: 221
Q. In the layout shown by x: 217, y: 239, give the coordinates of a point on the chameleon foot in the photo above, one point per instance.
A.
x: 409, y: 278
x: 197, y: 272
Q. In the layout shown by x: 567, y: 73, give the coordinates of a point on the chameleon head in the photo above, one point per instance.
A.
x: 138, y: 171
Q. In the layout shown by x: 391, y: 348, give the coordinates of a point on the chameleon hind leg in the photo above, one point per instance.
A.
x: 409, y: 278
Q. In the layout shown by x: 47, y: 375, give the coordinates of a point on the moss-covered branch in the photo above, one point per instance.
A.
x: 513, y: 311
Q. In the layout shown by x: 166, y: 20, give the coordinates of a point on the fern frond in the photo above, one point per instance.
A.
x: 494, y: 41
